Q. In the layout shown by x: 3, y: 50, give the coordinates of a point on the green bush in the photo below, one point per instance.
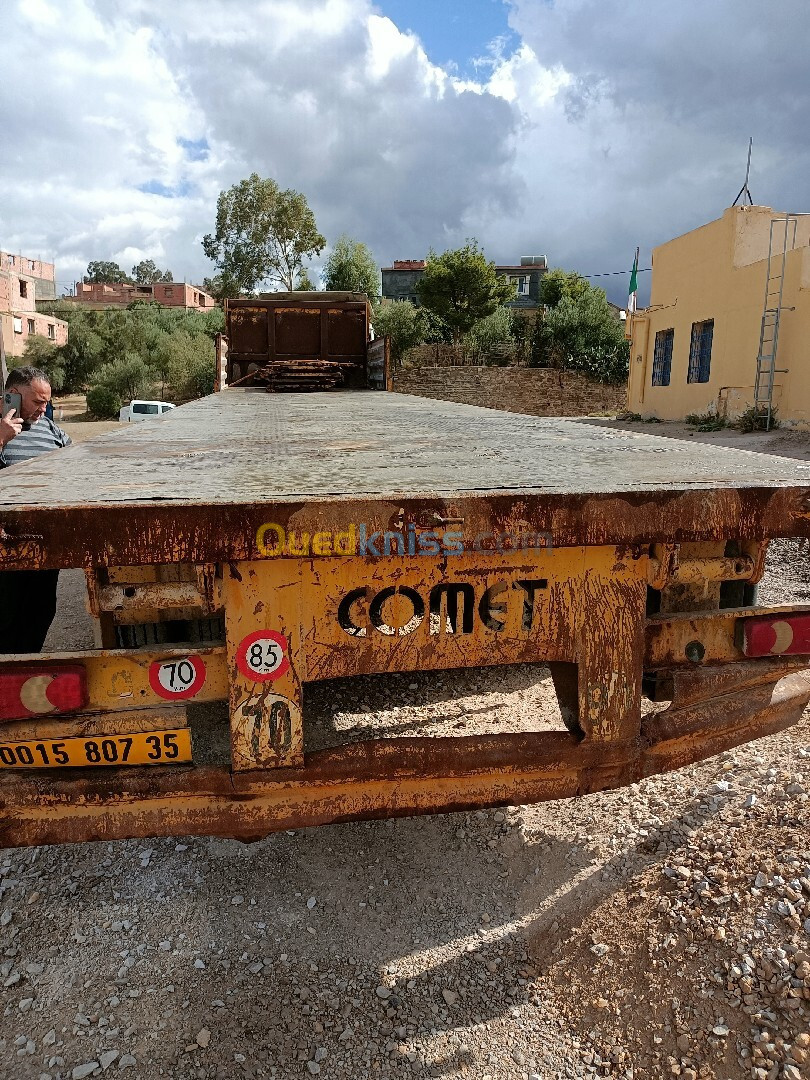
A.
x: 581, y: 334
x: 187, y: 362
x: 97, y: 339
x: 127, y: 377
x: 752, y: 420
x: 198, y: 378
x: 707, y: 421
x: 495, y: 329
x: 400, y: 321
x: 40, y: 352
x: 103, y: 403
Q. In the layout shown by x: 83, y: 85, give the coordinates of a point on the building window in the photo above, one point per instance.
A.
x: 521, y: 286
x: 51, y: 330
x: 31, y: 264
x: 30, y: 326
x: 662, y: 357
x: 168, y: 291
x: 23, y: 289
x: 17, y: 324
x: 700, y: 351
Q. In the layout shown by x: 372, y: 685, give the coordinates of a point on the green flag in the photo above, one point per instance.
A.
x: 633, y: 291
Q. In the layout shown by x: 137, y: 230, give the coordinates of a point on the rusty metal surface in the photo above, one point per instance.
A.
x: 197, y: 484
x: 382, y: 778
x: 668, y: 636
x: 298, y: 341
x: 118, y: 680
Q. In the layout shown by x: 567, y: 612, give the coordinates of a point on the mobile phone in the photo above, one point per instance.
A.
x: 12, y: 401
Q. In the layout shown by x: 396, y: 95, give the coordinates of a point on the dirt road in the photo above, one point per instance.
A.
x: 660, y: 930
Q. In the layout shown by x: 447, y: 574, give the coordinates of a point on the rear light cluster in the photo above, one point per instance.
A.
x: 784, y: 634
x: 41, y: 690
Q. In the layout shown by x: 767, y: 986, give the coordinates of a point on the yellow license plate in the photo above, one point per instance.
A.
x: 140, y: 748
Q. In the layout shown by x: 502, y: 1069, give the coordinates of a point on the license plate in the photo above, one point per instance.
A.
x: 140, y: 748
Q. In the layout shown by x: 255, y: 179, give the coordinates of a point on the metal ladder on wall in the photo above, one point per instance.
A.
x: 782, y: 237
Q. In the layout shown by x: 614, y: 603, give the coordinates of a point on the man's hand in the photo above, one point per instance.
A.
x: 10, y: 427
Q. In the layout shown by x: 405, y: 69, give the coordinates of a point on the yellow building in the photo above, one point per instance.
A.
x: 696, y: 347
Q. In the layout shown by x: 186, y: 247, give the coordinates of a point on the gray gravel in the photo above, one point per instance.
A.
x: 660, y: 930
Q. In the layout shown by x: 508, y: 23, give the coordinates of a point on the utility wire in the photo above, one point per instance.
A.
x: 613, y: 273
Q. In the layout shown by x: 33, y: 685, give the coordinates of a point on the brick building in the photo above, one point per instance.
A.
x: 399, y: 281
x: 166, y: 293
x: 23, y: 281
x: 42, y: 273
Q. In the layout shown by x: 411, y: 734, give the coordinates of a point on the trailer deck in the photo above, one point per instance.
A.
x: 197, y: 484
x: 337, y: 534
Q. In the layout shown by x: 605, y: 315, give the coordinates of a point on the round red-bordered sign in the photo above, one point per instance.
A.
x: 177, y: 677
x: 262, y: 656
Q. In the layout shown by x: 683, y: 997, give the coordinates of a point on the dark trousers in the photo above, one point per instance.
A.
x: 27, y: 608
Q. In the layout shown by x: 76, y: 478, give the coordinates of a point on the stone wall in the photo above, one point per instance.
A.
x: 536, y: 391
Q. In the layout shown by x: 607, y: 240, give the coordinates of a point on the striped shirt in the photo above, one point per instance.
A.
x: 41, y: 437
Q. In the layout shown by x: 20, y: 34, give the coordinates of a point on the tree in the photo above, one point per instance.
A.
x: 402, y: 322
x: 351, y: 267
x: 40, y: 352
x: 559, y: 283
x: 219, y: 286
x: 186, y: 360
x: 582, y: 334
x: 147, y: 273
x: 103, y: 403
x: 128, y: 376
x: 461, y: 287
x: 105, y: 273
x: 304, y: 283
x: 262, y: 234
x: 495, y: 329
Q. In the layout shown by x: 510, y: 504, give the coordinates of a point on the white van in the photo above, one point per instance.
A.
x: 143, y: 410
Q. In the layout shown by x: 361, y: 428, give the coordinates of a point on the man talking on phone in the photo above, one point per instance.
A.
x: 27, y: 597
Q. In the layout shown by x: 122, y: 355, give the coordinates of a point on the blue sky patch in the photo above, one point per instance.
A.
x: 454, y: 33
x: 154, y: 187
x: 196, y: 149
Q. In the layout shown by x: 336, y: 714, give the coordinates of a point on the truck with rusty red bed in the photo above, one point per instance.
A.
x: 252, y: 543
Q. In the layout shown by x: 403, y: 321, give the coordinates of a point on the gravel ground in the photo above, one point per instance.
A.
x: 660, y: 930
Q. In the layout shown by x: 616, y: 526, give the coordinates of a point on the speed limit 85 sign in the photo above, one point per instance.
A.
x: 262, y: 656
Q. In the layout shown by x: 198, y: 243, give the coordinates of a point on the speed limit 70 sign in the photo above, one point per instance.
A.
x: 178, y: 677
x: 262, y: 656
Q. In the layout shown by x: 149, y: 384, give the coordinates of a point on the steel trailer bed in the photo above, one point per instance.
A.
x: 249, y: 543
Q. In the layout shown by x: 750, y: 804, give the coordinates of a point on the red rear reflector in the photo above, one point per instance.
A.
x: 776, y: 635
x: 41, y: 690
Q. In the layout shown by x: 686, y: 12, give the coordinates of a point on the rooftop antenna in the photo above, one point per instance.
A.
x: 745, y: 191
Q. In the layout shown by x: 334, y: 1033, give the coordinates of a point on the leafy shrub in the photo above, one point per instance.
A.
x: 128, y: 377
x: 401, y: 321
x: 40, y: 352
x: 103, y: 403
x: 581, y: 334
x: 706, y: 421
x: 494, y: 330
x: 751, y: 420
x: 197, y: 378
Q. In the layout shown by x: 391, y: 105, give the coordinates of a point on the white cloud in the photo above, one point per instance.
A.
x: 123, y: 123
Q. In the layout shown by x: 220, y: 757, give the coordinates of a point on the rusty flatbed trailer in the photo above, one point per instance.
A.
x: 249, y: 543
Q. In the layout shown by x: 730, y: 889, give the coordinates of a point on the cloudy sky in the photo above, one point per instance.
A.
x: 577, y: 129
